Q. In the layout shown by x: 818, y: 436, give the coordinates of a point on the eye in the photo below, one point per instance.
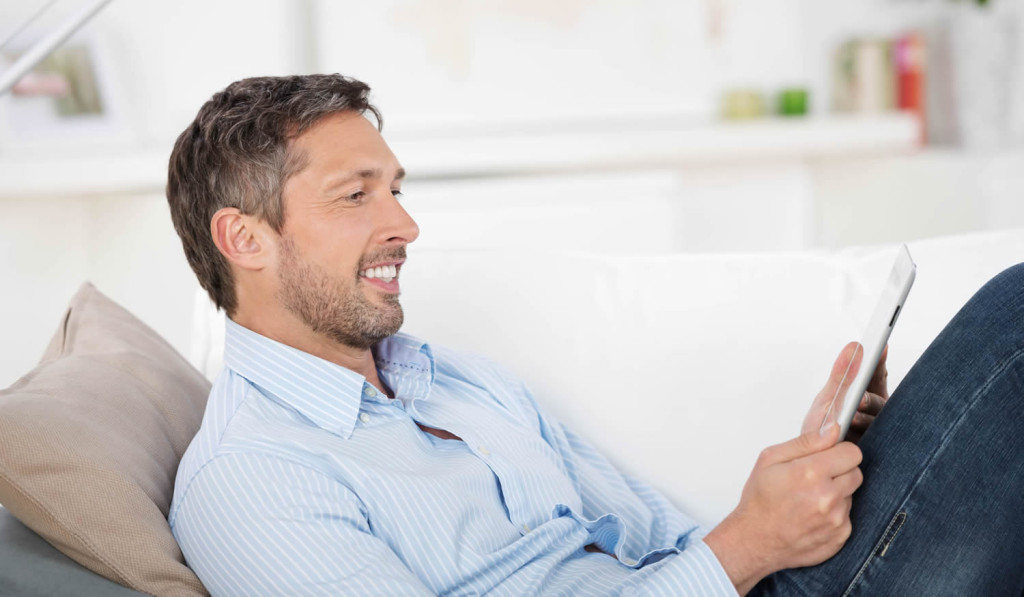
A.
x: 356, y: 197
x: 397, y: 193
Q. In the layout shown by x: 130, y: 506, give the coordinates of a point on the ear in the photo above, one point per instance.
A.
x: 242, y: 239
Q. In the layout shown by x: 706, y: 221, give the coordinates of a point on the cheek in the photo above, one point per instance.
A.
x: 345, y: 259
x: 339, y: 244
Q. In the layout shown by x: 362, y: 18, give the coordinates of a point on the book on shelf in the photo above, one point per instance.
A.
x: 873, y: 75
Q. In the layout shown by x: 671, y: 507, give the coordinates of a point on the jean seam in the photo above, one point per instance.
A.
x: 1000, y: 369
x: 887, y: 538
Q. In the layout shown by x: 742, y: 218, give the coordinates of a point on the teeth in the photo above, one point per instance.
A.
x: 384, y: 272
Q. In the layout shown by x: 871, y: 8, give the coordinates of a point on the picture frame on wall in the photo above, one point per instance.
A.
x: 68, y: 102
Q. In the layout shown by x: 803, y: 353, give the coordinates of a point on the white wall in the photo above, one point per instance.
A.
x: 166, y: 58
x: 135, y: 256
x: 938, y: 192
x: 45, y: 246
x: 125, y: 245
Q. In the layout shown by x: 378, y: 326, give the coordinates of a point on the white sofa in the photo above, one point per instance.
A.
x: 681, y: 368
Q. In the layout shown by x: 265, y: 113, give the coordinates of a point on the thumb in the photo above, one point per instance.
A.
x: 844, y: 370
x: 803, y: 445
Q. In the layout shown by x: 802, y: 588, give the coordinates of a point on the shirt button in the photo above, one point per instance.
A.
x: 526, y: 529
x: 369, y: 391
x: 484, y: 450
x: 628, y: 562
x: 365, y: 418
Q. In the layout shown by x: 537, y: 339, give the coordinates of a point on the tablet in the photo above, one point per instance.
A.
x: 887, y: 311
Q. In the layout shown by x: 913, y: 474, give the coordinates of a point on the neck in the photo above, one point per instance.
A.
x: 287, y: 329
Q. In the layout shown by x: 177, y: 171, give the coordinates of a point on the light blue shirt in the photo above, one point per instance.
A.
x: 305, y: 480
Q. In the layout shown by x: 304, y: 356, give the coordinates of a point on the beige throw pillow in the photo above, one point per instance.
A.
x: 90, y: 441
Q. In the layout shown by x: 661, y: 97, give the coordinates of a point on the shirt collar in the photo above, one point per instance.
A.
x: 328, y: 394
x: 406, y: 365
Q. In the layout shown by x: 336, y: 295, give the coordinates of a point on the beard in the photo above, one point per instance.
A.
x: 333, y: 306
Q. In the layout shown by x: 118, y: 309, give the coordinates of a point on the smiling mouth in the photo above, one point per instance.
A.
x: 383, y: 277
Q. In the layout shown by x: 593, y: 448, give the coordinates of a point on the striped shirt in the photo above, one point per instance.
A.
x: 305, y: 480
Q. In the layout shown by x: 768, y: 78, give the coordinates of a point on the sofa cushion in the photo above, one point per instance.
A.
x: 29, y: 566
x: 681, y: 368
x: 90, y: 442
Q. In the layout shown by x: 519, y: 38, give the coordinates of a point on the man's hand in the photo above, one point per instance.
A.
x: 795, y: 507
x: 794, y: 510
x: 871, y: 403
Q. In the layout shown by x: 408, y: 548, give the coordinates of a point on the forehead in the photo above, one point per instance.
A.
x: 340, y: 142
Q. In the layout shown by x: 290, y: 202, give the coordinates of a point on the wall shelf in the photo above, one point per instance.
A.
x: 660, y: 147
x: 640, y: 146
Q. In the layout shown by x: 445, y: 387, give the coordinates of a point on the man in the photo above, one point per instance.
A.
x: 337, y: 456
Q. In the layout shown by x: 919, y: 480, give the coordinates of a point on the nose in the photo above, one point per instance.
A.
x: 399, y: 227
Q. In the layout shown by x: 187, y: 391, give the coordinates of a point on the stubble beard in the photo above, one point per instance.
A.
x: 333, y: 307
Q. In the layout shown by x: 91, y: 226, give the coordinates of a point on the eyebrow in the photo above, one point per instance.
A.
x: 364, y: 174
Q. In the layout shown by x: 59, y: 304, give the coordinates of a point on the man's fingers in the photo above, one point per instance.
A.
x: 863, y: 419
x: 837, y: 460
x: 808, y: 443
x: 844, y: 370
x: 861, y: 422
x: 849, y: 482
x: 871, y: 404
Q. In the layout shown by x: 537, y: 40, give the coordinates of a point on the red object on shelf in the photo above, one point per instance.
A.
x: 42, y: 84
x: 910, y: 57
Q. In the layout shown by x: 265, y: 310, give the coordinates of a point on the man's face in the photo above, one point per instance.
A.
x: 345, y: 233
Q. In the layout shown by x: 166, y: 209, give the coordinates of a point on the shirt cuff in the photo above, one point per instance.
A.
x: 694, y: 571
x: 714, y: 567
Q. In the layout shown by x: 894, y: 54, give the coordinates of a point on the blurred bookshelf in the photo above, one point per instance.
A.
x: 506, y: 154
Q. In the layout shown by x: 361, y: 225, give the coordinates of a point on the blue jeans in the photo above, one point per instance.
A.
x: 941, y: 510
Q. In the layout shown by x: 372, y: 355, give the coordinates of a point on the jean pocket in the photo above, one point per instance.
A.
x: 890, y: 533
